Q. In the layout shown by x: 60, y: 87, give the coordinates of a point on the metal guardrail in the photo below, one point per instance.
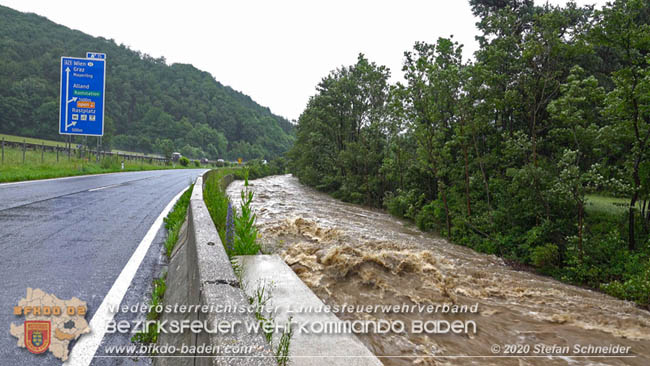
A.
x: 80, y: 151
x: 84, y: 151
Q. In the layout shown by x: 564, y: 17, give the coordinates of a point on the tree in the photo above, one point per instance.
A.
x: 577, y: 113
x: 624, y: 29
x: 433, y: 73
x: 146, y: 99
x: 340, y: 135
x: 166, y: 146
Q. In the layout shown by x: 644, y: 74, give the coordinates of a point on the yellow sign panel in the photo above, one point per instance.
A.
x: 239, y: 160
x: 81, y: 104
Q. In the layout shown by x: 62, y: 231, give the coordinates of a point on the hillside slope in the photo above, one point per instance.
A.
x: 150, y: 106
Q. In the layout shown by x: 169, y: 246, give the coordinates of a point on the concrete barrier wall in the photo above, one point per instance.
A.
x: 200, y: 273
x: 289, y: 292
x: 226, y: 180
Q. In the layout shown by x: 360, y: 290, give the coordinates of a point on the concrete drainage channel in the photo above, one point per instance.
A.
x: 200, y: 273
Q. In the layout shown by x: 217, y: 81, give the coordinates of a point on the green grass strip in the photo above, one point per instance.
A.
x: 173, y: 223
x: 45, y: 165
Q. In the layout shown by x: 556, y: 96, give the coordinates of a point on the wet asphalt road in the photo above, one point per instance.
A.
x: 71, y: 239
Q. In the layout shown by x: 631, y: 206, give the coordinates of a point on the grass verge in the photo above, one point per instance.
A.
x: 175, y: 220
x: 214, y: 195
x: 43, y: 165
x: 236, y: 230
x: 173, y: 223
x: 243, y: 235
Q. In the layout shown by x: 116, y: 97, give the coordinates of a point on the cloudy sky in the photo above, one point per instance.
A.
x: 276, y: 51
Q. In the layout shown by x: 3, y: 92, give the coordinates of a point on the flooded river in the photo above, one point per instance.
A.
x: 348, y: 254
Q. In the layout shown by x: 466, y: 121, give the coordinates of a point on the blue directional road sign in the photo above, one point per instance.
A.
x: 95, y: 55
x: 82, y: 96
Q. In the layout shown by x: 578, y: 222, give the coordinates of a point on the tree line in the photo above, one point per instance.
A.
x: 150, y: 106
x: 505, y: 152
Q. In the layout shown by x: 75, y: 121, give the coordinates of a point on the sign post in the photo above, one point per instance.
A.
x: 81, y: 111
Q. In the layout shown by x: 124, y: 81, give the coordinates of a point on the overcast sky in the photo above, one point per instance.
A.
x: 275, y: 51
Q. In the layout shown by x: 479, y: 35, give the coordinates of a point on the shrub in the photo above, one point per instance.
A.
x: 637, y: 288
x: 110, y: 162
x: 545, y: 256
x: 430, y: 216
x: 184, y: 161
x: 197, y: 163
x: 396, y: 204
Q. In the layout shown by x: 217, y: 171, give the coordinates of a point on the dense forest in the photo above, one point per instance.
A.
x: 150, y: 106
x: 508, y: 152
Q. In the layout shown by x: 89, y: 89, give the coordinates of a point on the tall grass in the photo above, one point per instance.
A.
x: 245, y: 238
x: 243, y: 224
x: 175, y: 220
x: 216, y: 199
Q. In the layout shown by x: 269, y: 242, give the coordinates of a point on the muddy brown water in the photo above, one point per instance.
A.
x: 352, y: 255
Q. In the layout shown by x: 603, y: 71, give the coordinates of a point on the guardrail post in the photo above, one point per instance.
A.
x: 42, y: 152
x: 23, y: 151
x: 57, y: 153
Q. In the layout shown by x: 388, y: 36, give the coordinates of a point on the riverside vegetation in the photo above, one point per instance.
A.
x: 219, y: 207
x: 239, y: 236
x: 504, y: 153
x: 237, y: 231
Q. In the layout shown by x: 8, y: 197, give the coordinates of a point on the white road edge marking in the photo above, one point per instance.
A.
x: 84, y: 350
x: 76, y: 177
x: 63, y: 178
x: 104, y: 187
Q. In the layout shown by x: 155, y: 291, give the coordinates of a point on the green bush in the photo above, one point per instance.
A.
x: 396, y: 204
x: 197, y: 163
x: 184, y: 161
x: 637, y: 288
x: 431, y: 216
x: 545, y: 256
x: 110, y: 162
